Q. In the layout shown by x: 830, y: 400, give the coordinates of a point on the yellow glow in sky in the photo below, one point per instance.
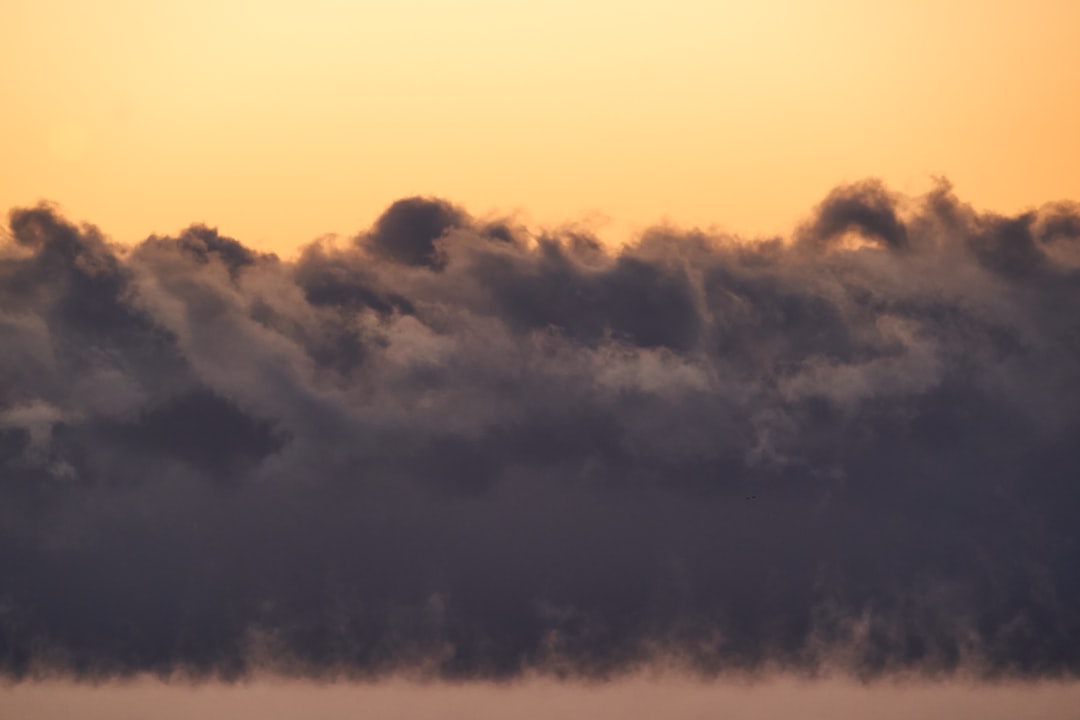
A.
x: 281, y: 121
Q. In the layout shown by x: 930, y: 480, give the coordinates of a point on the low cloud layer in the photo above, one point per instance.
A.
x: 469, y: 449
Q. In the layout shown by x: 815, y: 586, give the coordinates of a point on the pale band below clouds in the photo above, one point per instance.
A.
x: 629, y: 699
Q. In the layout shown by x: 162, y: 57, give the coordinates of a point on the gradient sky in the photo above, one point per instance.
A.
x: 282, y: 121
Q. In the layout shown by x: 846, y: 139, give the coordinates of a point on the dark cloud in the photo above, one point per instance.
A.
x: 409, y: 230
x: 646, y: 303
x: 865, y: 207
x: 199, y: 428
x: 204, y: 244
x: 457, y: 448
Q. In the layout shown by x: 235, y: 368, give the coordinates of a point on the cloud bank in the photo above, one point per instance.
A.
x: 471, y: 450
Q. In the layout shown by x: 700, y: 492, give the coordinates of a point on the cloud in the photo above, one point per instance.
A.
x: 460, y: 448
x: 865, y: 207
x: 408, y: 231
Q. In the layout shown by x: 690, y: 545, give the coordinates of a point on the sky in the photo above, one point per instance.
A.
x: 279, y: 122
x: 433, y: 357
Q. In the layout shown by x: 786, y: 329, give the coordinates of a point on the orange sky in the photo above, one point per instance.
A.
x: 281, y: 121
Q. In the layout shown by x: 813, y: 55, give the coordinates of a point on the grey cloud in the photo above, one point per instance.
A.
x: 409, y: 229
x: 458, y: 448
x: 866, y: 207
